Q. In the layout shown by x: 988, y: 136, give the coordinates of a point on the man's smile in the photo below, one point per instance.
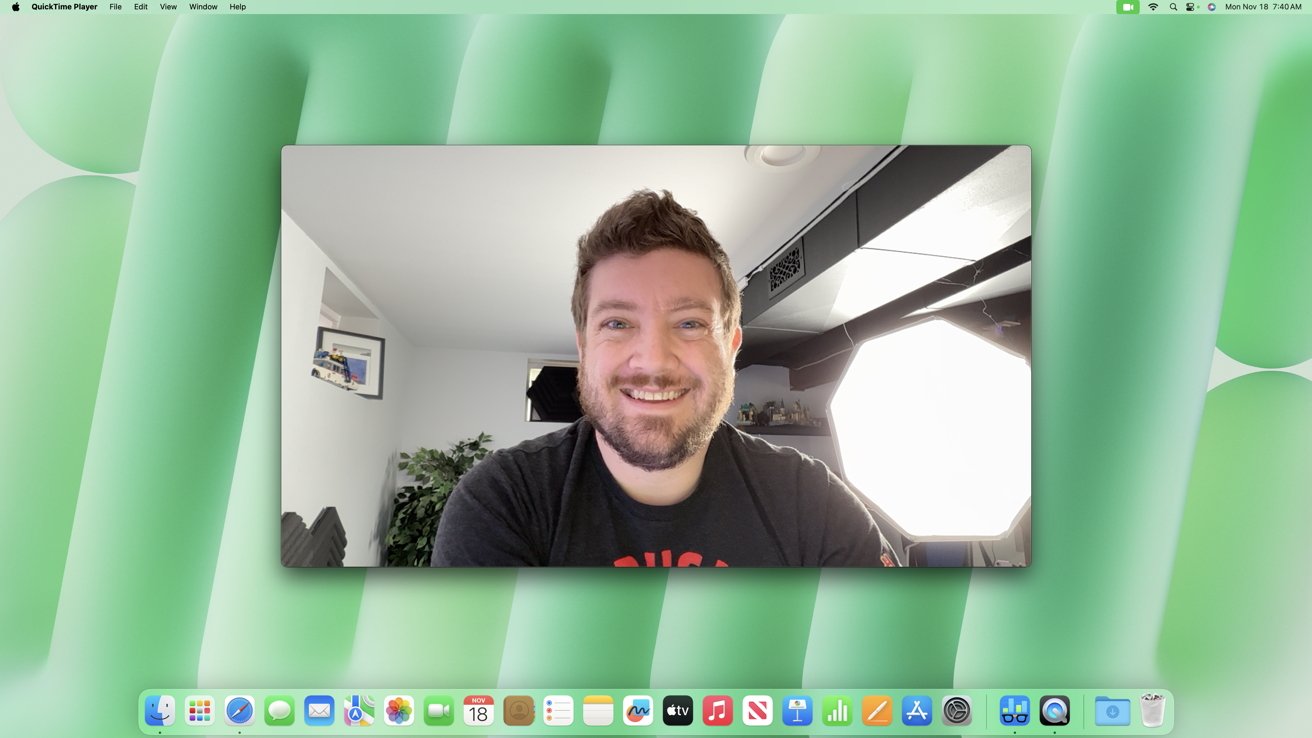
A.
x: 654, y: 396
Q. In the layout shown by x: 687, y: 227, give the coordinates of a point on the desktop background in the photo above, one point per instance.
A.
x: 139, y: 422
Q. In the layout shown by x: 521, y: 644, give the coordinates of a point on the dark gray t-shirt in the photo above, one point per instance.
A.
x: 552, y: 501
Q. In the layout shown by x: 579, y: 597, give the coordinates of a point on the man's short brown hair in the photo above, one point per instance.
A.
x: 640, y: 224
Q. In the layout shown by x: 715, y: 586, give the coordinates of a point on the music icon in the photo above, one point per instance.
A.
x: 717, y: 709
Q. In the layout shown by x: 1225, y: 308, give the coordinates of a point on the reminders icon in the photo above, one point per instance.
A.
x: 598, y: 710
x: 558, y: 710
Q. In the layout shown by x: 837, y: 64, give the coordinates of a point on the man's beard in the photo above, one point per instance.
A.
x: 654, y: 442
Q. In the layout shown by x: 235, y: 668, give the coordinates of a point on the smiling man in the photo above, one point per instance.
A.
x: 652, y: 476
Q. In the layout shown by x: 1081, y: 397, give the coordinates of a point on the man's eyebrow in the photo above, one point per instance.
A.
x: 616, y: 305
x: 686, y: 303
x: 690, y: 303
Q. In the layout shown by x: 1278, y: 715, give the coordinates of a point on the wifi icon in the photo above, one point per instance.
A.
x: 1153, y: 6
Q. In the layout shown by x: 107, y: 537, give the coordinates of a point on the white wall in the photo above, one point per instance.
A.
x: 456, y: 394
x: 337, y: 449
x: 760, y: 384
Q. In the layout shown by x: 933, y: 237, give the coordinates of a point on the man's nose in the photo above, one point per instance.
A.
x: 654, y: 352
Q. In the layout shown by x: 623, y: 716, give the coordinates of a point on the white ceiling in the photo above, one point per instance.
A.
x: 474, y: 246
x: 987, y: 210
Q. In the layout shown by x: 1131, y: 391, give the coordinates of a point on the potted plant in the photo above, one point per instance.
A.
x: 418, y: 507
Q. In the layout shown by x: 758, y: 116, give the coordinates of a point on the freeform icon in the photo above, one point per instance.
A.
x: 638, y: 709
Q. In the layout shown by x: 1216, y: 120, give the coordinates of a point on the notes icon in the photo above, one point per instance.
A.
x: 598, y: 710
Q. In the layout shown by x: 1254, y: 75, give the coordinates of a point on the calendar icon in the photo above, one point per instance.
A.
x: 480, y: 710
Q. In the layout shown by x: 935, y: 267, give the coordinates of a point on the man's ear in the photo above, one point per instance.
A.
x: 578, y: 344
x: 737, y: 341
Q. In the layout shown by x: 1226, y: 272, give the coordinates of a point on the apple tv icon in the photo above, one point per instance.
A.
x: 676, y: 709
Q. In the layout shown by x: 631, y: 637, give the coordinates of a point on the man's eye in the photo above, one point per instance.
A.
x: 614, y: 325
x: 692, y: 325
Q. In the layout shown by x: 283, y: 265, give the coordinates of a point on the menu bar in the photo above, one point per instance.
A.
x: 858, y: 7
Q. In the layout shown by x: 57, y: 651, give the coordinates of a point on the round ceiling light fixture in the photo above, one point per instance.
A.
x: 781, y: 158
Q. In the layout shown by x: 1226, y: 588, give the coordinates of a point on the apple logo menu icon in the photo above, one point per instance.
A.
x: 677, y: 709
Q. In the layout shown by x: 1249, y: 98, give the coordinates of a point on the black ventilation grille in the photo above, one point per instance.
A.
x: 787, y: 270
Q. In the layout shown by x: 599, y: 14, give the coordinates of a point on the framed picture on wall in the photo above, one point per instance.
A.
x: 352, y: 361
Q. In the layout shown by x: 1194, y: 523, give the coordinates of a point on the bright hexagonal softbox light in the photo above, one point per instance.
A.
x: 932, y: 425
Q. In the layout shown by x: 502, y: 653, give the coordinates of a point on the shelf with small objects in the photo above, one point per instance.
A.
x: 779, y: 418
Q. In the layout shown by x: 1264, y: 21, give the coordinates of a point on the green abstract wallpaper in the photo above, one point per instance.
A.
x: 139, y: 480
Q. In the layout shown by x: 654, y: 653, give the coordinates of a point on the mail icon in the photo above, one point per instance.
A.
x: 319, y: 709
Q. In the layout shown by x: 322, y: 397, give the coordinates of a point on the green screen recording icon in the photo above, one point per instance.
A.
x: 1127, y: 7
